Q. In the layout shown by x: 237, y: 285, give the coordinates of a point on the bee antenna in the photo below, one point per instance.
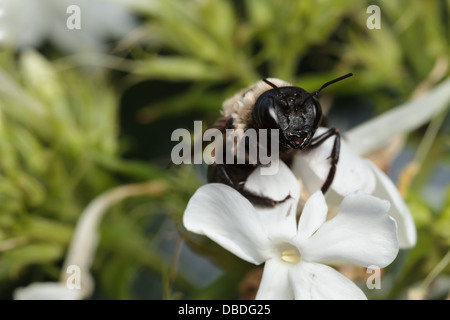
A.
x: 276, y: 88
x: 315, y: 93
x: 270, y: 83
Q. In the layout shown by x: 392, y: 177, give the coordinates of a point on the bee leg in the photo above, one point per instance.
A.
x: 334, y: 156
x: 261, y: 201
x: 257, y: 200
x: 220, y: 173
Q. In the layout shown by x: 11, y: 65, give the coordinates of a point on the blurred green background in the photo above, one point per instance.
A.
x: 80, y: 116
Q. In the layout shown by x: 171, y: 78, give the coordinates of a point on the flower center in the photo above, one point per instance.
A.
x: 290, y: 253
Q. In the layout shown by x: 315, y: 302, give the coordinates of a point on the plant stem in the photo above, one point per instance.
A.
x: 85, y: 239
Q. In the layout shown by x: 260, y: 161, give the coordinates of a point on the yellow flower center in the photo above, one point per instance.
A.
x: 290, y: 254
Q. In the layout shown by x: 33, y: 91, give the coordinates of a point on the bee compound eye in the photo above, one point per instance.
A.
x: 264, y: 113
x: 266, y: 103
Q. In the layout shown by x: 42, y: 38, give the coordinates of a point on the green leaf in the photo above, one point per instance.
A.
x: 15, y: 260
x: 178, y: 68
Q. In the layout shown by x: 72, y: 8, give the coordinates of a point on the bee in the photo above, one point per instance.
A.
x: 274, y: 104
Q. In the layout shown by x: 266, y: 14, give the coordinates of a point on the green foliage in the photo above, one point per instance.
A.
x: 62, y: 144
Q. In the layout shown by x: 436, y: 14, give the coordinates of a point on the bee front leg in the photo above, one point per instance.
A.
x: 261, y: 201
x: 334, y: 156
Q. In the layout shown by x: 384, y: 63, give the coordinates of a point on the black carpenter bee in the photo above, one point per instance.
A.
x: 274, y: 104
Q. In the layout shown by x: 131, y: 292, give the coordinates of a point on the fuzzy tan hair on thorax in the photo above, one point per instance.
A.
x: 240, y: 106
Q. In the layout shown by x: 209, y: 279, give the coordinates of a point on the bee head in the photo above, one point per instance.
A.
x: 287, y: 109
x: 292, y: 110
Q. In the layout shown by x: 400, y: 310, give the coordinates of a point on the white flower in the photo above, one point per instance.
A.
x: 82, y: 248
x: 353, y: 173
x: 30, y: 23
x: 47, y: 291
x: 361, y: 233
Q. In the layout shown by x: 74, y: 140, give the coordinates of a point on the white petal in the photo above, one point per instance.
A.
x: 47, y: 291
x: 385, y: 189
x: 225, y: 216
x: 314, y: 281
x: 277, y: 186
x: 352, y: 172
x: 275, y: 282
x: 279, y: 222
x: 313, y: 215
x: 375, y: 133
x: 361, y: 233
